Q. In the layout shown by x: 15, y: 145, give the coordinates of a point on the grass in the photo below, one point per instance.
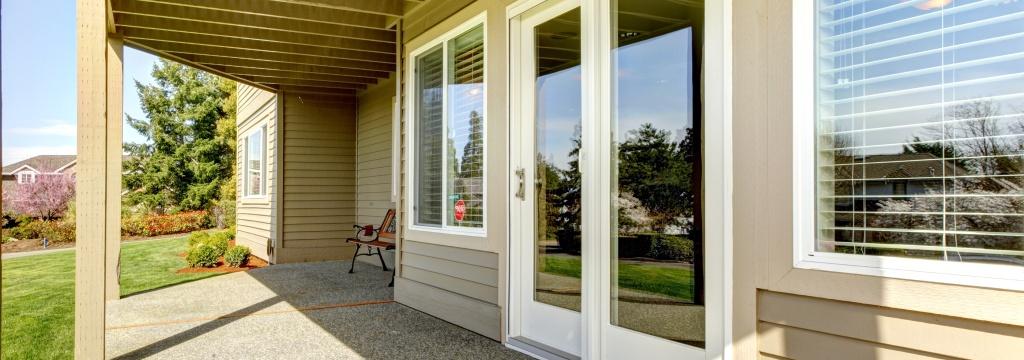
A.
x: 38, y: 294
x: 676, y: 282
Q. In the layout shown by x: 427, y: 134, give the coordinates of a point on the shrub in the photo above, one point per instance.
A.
x: 57, y: 231
x: 669, y: 247
x: 237, y: 256
x: 201, y: 255
x: 198, y: 237
x: 219, y: 241
x: 152, y: 225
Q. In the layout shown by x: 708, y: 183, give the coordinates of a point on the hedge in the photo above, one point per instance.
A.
x: 152, y: 225
x: 237, y: 256
x: 656, y: 246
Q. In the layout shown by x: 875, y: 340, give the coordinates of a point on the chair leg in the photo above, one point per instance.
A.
x: 382, y: 264
x: 352, y: 269
x: 392, y: 283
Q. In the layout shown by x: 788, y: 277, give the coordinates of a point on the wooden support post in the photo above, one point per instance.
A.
x: 91, y: 181
x: 115, y: 93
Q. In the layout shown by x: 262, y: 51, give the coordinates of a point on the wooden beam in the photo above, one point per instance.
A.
x: 298, y: 75
x: 309, y: 83
x: 300, y: 13
x: 194, y: 49
x: 270, y: 65
x: 248, y: 44
x: 182, y: 60
x: 91, y: 183
x: 379, y: 7
x: 241, y: 32
x: 338, y: 28
x: 317, y: 90
x: 115, y: 111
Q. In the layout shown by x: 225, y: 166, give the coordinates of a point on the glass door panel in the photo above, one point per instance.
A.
x: 656, y: 245
x: 557, y: 121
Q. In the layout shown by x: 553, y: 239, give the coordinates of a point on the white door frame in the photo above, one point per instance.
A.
x: 521, y: 157
x: 594, y: 157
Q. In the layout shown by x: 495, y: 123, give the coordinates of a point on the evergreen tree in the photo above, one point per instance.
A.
x: 190, y: 133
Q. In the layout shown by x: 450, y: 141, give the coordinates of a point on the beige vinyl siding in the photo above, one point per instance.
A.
x: 802, y: 327
x: 780, y: 311
x: 457, y: 285
x: 461, y: 285
x: 373, y: 154
x: 255, y: 217
x: 319, y: 179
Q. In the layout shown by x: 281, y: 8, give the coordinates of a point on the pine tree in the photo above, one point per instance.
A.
x: 189, y: 149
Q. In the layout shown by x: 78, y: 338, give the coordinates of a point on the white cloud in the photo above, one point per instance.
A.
x: 13, y: 154
x: 66, y: 129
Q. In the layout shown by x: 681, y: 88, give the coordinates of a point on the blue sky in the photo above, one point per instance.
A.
x: 39, y: 79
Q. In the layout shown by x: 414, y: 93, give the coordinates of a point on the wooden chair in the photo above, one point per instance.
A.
x: 386, y: 231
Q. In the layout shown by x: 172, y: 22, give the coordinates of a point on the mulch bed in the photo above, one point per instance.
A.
x: 222, y: 267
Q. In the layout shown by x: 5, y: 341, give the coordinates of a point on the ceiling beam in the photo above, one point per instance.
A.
x: 249, y: 44
x: 192, y: 49
x: 299, y: 68
x: 238, y: 32
x: 307, y: 83
x: 241, y: 71
x: 181, y: 60
x: 318, y: 91
x: 338, y: 28
x: 378, y: 7
x: 284, y: 11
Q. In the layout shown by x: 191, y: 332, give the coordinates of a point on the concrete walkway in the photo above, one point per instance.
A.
x: 295, y: 311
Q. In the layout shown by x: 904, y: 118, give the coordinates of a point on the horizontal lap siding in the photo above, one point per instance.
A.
x: 255, y: 218
x: 319, y: 181
x: 457, y: 285
x: 373, y: 154
x: 801, y: 327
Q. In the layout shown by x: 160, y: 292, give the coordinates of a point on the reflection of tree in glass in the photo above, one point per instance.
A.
x: 655, y: 190
x: 980, y: 153
x: 467, y: 172
x: 560, y: 189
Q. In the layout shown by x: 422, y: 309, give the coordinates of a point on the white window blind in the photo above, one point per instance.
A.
x: 920, y: 129
x: 449, y: 126
x: 429, y: 137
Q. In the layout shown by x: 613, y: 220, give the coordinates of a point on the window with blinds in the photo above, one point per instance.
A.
x: 449, y: 113
x: 255, y: 157
x: 920, y: 129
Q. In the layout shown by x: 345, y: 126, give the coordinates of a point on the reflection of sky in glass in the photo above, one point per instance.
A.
x: 558, y: 114
x: 899, y: 68
x: 654, y: 84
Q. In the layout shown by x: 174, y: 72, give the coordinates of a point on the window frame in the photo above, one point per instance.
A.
x: 31, y: 177
x: 410, y: 129
x: 805, y: 213
x: 263, y: 163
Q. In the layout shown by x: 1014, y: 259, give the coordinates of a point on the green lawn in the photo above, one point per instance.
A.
x: 676, y: 282
x: 38, y: 294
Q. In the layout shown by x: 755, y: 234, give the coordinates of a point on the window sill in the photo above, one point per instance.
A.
x: 1002, y: 277
x: 445, y: 237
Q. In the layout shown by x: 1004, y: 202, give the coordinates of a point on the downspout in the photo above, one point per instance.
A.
x: 278, y: 206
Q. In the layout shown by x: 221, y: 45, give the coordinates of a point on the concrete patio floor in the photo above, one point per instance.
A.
x: 293, y: 311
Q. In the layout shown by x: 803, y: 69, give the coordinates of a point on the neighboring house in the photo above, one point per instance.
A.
x: 350, y: 107
x: 31, y: 169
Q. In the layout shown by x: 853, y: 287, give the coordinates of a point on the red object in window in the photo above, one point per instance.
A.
x: 460, y: 210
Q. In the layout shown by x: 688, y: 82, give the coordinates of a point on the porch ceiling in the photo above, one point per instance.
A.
x: 329, y: 47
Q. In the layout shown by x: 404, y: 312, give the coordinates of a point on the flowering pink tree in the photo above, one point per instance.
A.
x: 46, y: 198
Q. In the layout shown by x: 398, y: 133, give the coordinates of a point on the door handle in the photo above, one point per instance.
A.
x: 521, y: 192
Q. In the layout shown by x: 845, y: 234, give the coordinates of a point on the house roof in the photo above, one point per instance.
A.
x: 41, y: 163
